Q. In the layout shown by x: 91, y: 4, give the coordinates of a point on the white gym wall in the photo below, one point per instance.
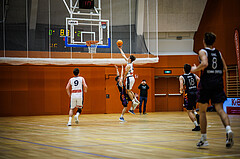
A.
x: 176, y: 18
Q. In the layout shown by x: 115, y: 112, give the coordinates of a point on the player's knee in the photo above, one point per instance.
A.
x: 202, y: 111
x: 79, y: 110
x: 220, y: 111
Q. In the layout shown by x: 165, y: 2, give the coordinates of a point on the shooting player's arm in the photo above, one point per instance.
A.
x: 123, y: 54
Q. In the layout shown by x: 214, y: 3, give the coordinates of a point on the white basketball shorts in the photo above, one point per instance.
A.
x: 76, y: 103
x: 130, y: 82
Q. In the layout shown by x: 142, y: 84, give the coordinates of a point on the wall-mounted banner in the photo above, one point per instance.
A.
x: 232, y: 106
x: 236, y: 40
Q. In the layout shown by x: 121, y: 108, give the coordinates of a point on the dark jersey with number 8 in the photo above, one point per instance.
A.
x: 212, y: 75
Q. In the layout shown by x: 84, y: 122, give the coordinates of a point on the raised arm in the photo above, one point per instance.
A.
x: 204, y: 62
x: 181, y: 84
x: 121, y: 78
x: 117, y: 70
x: 84, y: 85
x: 68, y: 88
x: 123, y: 54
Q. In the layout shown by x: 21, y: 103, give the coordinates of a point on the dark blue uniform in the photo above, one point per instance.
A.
x: 123, y: 95
x: 211, y: 81
x: 190, y: 98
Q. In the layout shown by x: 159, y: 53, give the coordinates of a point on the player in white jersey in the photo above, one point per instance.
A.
x: 77, y: 83
x: 130, y: 80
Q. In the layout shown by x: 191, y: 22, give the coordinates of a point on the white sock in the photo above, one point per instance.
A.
x: 203, y: 137
x: 131, y: 108
x: 228, y: 129
x: 77, y: 114
x: 121, y: 116
x: 195, y: 123
x: 70, y: 119
x: 195, y: 112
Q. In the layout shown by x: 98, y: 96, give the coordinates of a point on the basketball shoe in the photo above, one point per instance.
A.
x: 76, y: 119
x: 131, y: 111
x: 229, y: 139
x: 197, y: 128
x: 69, y: 124
x: 121, y: 119
x: 202, y: 143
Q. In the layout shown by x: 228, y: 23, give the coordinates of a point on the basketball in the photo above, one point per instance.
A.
x: 119, y: 43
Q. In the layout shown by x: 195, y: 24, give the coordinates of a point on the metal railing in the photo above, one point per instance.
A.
x: 232, y: 82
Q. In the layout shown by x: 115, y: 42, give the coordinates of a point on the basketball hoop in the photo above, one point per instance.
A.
x: 92, y: 46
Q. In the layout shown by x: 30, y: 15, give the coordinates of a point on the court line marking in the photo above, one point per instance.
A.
x: 138, y: 142
x: 171, y: 149
x: 57, y: 147
x: 220, y: 156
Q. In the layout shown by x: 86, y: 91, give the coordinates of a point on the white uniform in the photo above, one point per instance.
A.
x: 77, y: 92
x: 130, y: 80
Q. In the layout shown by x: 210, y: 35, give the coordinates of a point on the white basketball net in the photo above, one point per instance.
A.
x: 92, y: 49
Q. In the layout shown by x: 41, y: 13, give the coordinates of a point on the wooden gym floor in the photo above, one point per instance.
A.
x: 156, y: 135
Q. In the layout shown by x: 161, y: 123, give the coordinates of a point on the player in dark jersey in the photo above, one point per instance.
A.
x: 212, y: 65
x: 122, y: 90
x: 190, y: 100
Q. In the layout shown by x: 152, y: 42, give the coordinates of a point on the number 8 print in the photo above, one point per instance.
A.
x: 214, y: 63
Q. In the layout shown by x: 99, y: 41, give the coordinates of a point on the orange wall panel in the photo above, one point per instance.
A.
x: 39, y: 90
x: 176, y: 60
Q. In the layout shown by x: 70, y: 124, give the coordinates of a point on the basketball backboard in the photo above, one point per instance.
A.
x: 86, y: 25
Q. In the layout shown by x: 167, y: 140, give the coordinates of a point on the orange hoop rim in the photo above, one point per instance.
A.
x: 89, y: 43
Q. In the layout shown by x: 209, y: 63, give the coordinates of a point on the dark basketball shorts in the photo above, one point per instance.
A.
x: 124, y: 100
x: 215, y: 95
x: 190, y: 100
